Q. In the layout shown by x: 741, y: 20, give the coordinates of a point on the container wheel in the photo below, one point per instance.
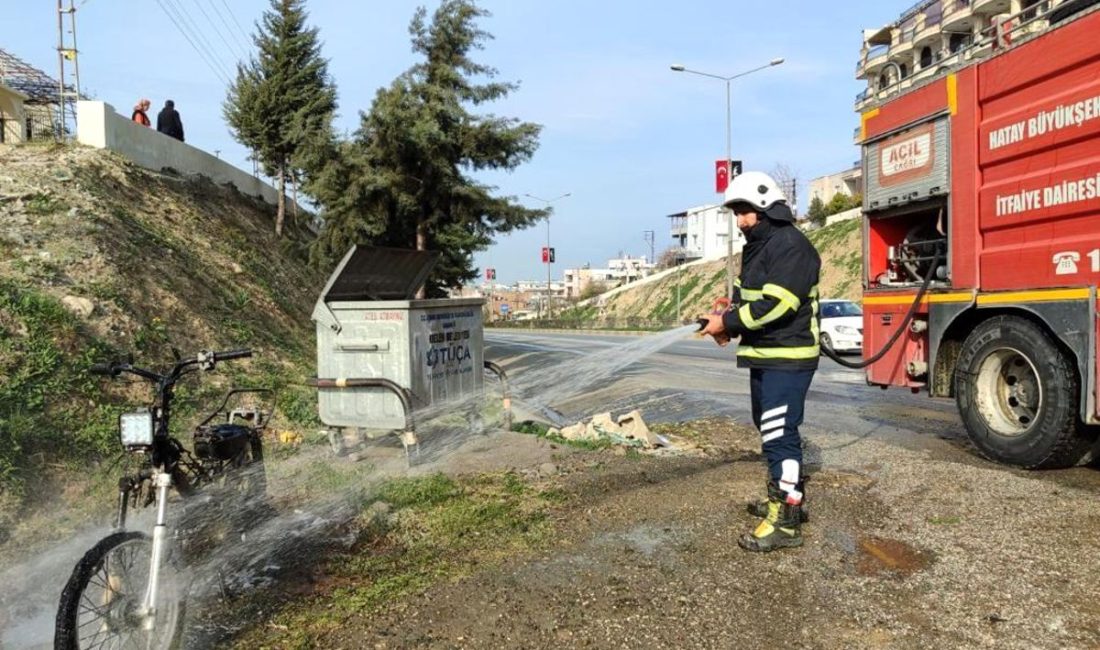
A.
x: 1018, y: 393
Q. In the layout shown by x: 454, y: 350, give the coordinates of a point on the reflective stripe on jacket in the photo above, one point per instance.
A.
x: 775, y: 299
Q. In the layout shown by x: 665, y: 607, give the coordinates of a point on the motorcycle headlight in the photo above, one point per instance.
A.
x: 847, y: 330
x: 136, y: 429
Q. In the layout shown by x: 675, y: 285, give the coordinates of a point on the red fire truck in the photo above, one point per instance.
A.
x: 982, y: 237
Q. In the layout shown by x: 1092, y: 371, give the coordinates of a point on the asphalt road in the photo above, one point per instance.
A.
x: 692, y: 378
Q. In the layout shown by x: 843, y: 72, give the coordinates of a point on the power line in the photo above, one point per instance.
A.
x: 199, y: 51
x: 229, y: 30
x: 217, y: 31
x: 199, y: 35
x: 235, y: 21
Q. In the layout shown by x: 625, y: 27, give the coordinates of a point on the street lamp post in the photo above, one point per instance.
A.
x: 548, y: 263
x: 729, y: 154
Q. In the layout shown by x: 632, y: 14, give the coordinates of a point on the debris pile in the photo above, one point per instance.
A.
x: 628, y: 430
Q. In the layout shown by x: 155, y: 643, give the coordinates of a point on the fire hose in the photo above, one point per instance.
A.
x: 829, y: 352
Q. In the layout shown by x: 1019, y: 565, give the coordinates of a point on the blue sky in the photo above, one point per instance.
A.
x: 631, y: 140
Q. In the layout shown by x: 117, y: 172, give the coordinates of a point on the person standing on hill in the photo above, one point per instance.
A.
x: 168, y: 121
x: 141, y: 112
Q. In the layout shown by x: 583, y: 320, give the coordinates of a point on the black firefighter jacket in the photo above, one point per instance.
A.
x: 774, y: 302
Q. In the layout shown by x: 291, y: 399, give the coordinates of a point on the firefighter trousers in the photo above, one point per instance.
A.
x: 778, y: 402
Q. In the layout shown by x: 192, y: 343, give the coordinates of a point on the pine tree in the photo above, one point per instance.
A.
x: 816, y: 214
x: 408, y: 173
x: 282, y: 103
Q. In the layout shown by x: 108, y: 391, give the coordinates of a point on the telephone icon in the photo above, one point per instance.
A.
x: 1065, y: 263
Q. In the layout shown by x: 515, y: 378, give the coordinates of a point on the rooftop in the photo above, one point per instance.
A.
x: 24, y: 78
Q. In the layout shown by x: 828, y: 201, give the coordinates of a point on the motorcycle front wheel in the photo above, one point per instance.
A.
x: 101, y: 604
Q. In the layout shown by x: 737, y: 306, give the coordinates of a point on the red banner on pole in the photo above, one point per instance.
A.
x: 721, y: 176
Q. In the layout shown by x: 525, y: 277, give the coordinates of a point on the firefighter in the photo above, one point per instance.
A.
x: 774, y: 312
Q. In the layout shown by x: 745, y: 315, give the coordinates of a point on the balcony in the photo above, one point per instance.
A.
x: 874, y: 59
x: 957, y: 16
x: 928, y: 31
x: 991, y: 7
x: 861, y: 99
x: 903, y: 42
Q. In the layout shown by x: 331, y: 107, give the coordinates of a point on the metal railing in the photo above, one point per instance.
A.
x: 872, y: 53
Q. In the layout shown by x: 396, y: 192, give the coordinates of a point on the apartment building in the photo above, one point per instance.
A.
x: 702, y: 232
x: 848, y: 182
x: 619, y: 271
x: 935, y: 36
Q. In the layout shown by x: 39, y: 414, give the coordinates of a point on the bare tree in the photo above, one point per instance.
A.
x: 787, y: 178
x: 668, y: 257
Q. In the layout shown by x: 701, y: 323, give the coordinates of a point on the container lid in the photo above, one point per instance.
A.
x: 370, y: 273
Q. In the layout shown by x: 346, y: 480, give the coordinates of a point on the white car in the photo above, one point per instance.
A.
x: 841, y: 325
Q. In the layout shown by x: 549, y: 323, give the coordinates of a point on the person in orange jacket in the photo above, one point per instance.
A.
x: 140, y: 116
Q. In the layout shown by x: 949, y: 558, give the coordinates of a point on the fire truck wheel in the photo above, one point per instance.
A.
x: 1018, y: 394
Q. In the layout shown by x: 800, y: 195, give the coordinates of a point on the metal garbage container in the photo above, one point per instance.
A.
x: 382, y: 353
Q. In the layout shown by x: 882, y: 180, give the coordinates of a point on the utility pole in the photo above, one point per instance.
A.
x: 549, y: 250
x: 729, y: 155
x: 649, y: 237
x: 66, y: 54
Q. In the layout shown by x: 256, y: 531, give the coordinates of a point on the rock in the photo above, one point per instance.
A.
x: 74, y: 213
x: 605, y: 422
x: 236, y: 268
x: 82, y: 307
x: 548, y: 469
x: 574, y: 432
x: 633, y: 426
x: 553, y: 431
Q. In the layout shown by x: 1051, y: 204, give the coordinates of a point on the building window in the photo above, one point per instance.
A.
x: 958, y: 42
x: 925, y: 57
x: 883, y: 80
x: 904, y: 70
x: 1030, y: 9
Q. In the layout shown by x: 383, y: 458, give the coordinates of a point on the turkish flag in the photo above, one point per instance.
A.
x: 721, y: 175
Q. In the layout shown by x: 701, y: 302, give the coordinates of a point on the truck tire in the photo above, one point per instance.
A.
x: 1018, y: 395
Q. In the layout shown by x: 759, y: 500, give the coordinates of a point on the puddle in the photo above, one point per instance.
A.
x: 879, y: 556
x: 646, y: 540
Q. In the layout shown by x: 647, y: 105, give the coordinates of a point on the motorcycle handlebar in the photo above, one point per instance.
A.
x: 229, y: 355
x: 206, y: 360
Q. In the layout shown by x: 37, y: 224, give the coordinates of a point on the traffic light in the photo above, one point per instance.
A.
x: 551, y: 255
x: 545, y: 255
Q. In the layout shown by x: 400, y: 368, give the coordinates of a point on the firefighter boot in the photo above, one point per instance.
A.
x: 780, y: 528
x: 760, y: 508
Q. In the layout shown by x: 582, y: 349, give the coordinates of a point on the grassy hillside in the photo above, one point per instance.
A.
x: 100, y: 259
x: 840, y: 246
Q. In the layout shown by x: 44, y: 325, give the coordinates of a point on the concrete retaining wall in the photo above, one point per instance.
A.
x: 649, y: 279
x: 98, y: 125
x: 847, y: 215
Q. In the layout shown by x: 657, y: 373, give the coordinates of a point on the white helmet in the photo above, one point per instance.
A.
x: 755, y: 188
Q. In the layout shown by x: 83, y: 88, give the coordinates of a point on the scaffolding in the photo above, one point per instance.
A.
x: 43, y: 104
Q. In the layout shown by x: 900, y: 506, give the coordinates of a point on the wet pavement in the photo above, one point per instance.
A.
x: 694, y: 379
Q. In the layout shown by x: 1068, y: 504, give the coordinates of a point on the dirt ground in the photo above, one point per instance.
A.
x: 905, y: 549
